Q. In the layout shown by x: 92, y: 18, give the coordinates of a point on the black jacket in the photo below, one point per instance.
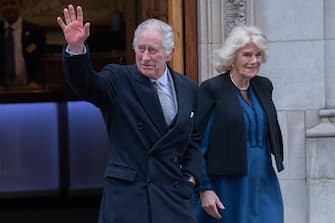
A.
x: 33, y: 47
x: 228, y: 140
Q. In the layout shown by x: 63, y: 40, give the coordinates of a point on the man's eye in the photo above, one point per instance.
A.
x: 141, y: 49
x: 152, y: 51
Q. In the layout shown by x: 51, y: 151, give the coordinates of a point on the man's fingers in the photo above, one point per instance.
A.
x: 87, y: 29
x: 72, y: 13
x: 67, y: 16
x: 80, y: 16
x: 61, y: 23
x: 71, y: 16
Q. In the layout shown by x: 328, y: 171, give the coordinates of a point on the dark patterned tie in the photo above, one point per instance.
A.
x: 9, y: 52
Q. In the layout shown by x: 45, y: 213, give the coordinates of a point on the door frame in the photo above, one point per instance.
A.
x: 191, y: 39
x: 182, y: 16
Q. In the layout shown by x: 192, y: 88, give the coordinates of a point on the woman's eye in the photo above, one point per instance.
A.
x: 247, y: 55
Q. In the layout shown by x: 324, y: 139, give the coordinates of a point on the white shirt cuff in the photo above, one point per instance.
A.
x: 74, y: 53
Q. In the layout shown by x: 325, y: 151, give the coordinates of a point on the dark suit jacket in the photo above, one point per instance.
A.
x: 227, y: 143
x: 144, y: 175
x: 33, y: 46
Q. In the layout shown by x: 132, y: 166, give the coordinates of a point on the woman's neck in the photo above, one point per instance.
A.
x: 240, y: 83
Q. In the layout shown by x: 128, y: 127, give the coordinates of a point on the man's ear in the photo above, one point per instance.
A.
x: 169, y: 57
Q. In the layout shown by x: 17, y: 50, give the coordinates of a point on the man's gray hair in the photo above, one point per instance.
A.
x: 166, y: 29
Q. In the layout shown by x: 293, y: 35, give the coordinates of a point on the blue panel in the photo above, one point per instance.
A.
x: 88, y: 146
x: 29, y: 147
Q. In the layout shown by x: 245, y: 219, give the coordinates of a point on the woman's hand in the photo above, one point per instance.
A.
x: 210, y: 202
x: 75, y: 33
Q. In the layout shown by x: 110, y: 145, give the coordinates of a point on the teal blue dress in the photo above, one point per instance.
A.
x: 255, y: 198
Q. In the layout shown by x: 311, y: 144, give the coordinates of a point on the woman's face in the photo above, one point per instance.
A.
x: 248, y: 61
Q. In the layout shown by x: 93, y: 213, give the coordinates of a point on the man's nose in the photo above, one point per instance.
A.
x: 146, y: 55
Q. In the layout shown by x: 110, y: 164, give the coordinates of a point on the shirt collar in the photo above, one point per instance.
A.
x: 16, y: 25
x: 164, y: 78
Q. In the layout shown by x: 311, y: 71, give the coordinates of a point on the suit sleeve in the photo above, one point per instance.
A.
x: 96, y: 87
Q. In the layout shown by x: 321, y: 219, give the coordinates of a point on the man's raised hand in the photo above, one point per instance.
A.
x: 75, y: 32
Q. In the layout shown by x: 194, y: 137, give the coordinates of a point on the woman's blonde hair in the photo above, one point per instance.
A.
x: 238, y: 38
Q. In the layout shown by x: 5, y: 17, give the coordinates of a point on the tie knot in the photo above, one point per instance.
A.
x: 160, y: 86
x: 157, y: 84
x: 10, y: 29
x: 161, y: 83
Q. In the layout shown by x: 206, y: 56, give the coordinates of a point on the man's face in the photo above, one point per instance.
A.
x: 150, y: 54
x: 10, y: 10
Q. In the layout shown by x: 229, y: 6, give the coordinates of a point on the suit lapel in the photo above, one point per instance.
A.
x: 181, y: 96
x: 150, y: 101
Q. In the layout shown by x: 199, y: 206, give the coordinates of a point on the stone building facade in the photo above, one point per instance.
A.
x: 301, y: 65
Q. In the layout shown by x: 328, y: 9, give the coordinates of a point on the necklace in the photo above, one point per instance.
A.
x: 240, y: 88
